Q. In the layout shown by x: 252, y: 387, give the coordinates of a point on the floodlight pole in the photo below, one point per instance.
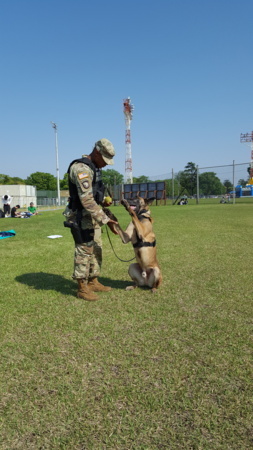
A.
x: 248, y: 139
x: 54, y: 125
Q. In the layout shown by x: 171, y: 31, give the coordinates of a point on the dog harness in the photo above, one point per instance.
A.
x: 140, y: 243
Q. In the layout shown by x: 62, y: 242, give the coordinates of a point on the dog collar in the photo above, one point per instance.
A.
x: 142, y: 215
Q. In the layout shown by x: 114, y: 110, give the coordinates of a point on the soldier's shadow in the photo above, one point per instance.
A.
x: 48, y: 282
x: 52, y: 281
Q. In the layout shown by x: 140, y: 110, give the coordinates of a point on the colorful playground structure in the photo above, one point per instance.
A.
x: 246, y: 191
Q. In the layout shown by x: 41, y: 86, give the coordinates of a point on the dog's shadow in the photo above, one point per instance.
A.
x: 52, y: 281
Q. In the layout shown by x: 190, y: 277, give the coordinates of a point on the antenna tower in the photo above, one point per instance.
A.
x: 128, y: 111
x: 245, y: 138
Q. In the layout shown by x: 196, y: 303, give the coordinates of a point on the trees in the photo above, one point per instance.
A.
x: 141, y: 179
x: 47, y: 181
x: 242, y: 182
x: 228, y: 185
x: 210, y: 184
x: 6, y: 179
x: 111, y: 177
x: 188, y: 178
x: 172, y: 186
x: 42, y: 181
x: 17, y: 180
x: 64, y: 183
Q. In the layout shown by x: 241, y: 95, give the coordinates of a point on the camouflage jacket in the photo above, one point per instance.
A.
x: 82, y: 176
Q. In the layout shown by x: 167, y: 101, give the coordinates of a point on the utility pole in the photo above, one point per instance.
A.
x: 54, y: 125
x: 128, y: 111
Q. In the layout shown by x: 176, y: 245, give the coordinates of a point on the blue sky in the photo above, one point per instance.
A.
x: 186, y: 64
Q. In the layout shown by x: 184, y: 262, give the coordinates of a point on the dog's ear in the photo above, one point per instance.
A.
x: 149, y: 201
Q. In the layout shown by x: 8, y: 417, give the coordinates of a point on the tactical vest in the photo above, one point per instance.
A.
x: 98, y: 187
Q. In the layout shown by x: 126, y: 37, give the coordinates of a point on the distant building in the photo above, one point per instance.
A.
x: 21, y: 194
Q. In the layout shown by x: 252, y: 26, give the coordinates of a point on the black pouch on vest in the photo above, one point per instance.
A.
x: 80, y: 236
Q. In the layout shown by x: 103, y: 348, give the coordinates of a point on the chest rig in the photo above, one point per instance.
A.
x: 98, y: 188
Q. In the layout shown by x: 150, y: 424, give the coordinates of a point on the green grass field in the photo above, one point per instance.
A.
x: 134, y: 370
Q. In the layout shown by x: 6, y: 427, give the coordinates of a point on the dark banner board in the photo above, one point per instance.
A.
x: 145, y: 190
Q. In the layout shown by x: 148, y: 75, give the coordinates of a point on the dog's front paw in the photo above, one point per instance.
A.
x: 125, y: 203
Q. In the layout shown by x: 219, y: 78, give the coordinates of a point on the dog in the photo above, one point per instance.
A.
x: 146, y: 270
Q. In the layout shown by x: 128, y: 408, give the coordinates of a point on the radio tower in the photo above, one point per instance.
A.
x: 128, y: 111
x: 246, y: 138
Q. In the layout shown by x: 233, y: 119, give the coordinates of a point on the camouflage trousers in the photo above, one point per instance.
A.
x: 88, y: 255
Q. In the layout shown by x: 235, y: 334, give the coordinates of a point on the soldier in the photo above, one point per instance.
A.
x: 85, y: 217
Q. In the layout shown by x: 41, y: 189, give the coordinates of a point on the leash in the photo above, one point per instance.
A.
x: 123, y: 260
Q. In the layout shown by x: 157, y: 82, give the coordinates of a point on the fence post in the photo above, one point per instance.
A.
x: 114, y: 191
x: 233, y: 181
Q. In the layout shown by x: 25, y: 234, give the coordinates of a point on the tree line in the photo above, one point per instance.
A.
x: 185, y: 180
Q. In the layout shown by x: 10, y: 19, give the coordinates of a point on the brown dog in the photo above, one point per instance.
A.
x: 146, y: 271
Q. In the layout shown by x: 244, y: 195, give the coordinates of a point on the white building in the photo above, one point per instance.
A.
x: 21, y: 194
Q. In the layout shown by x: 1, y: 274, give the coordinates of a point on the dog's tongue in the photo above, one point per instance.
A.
x: 133, y: 207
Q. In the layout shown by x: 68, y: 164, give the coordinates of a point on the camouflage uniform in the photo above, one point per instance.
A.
x: 88, y: 255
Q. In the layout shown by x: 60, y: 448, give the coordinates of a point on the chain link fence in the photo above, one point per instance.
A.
x: 231, y: 174
x: 227, y: 176
x: 209, y: 182
x: 49, y: 199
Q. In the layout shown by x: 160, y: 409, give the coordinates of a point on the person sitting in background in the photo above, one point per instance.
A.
x: 14, y: 212
x: 32, y: 209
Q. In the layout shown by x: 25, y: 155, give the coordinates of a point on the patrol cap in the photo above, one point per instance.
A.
x: 106, y: 149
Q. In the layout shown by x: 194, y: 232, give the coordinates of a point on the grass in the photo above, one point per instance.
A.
x: 135, y: 370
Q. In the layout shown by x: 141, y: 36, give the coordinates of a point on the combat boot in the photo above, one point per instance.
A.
x: 95, y: 286
x: 85, y: 292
